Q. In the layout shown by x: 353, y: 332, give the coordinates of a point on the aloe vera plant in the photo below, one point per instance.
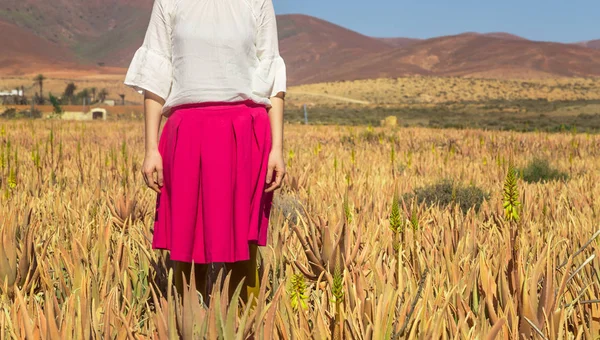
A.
x: 350, y: 258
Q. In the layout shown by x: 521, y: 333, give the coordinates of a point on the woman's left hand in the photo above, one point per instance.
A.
x: 276, y: 167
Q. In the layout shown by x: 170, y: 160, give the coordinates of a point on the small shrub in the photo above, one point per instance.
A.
x: 540, y: 170
x: 348, y: 140
x: 370, y: 136
x: 57, y: 108
x: 446, y: 193
x: 10, y: 113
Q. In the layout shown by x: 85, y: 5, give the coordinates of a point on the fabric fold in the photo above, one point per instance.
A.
x: 162, y: 217
x: 280, y: 77
x: 150, y: 70
x: 270, y: 77
x: 213, y: 203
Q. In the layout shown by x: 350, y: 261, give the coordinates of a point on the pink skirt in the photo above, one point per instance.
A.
x: 212, y: 203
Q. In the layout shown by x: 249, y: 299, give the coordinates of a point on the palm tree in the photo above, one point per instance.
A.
x: 84, y: 95
x: 122, y: 95
x: 40, y: 80
x: 93, y: 90
x: 102, y: 95
x: 70, y: 92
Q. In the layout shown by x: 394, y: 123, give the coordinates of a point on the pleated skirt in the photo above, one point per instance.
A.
x: 212, y: 204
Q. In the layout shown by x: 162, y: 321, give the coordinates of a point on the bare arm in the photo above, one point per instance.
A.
x: 276, y: 162
x: 272, y: 64
x: 276, y: 119
x: 152, y: 159
x: 152, y: 116
x: 150, y: 73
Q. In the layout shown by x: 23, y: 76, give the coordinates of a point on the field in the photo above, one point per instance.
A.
x: 351, y: 255
x: 549, y: 105
x: 437, y: 90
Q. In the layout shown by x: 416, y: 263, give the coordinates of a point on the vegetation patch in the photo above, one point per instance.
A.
x: 367, y: 136
x: 447, y: 193
x: 12, y: 113
x: 540, y: 170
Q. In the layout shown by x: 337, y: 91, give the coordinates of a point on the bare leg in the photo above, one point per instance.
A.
x: 185, y: 268
x: 245, y: 269
x: 181, y: 268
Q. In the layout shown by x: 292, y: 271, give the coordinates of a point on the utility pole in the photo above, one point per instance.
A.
x: 305, y: 115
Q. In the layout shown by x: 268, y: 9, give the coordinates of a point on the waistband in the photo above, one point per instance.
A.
x: 218, y: 105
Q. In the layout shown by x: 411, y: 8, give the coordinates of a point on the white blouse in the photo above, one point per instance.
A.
x: 209, y: 51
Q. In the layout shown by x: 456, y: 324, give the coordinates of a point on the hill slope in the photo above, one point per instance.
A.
x: 399, y: 42
x: 93, y: 30
x: 18, y: 57
x: 592, y: 44
x: 475, y: 55
x: 311, y: 46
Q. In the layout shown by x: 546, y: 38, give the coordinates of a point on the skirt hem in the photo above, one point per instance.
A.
x: 190, y: 259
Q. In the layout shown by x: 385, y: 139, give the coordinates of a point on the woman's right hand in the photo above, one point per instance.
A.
x: 153, y: 164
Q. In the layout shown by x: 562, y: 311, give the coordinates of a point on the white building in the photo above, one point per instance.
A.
x: 96, y: 113
x: 15, y: 92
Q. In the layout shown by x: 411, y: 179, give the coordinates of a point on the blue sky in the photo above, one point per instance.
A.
x: 547, y: 20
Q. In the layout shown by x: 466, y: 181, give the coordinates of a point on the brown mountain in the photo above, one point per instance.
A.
x: 404, y: 42
x: 94, y: 30
x: 591, y: 44
x: 399, y: 42
x: 310, y: 45
x: 59, y: 34
x: 475, y: 55
x: 502, y: 35
x: 23, y: 50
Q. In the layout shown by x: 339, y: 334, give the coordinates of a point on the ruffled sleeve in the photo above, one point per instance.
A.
x: 151, y: 67
x: 270, y: 77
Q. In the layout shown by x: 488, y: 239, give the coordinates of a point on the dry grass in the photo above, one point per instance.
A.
x: 435, y: 90
x: 75, y: 228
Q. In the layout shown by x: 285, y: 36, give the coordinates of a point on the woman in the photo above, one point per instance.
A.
x: 213, y: 69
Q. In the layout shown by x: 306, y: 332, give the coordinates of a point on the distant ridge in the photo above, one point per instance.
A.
x: 399, y: 42
x: 591, y: 44
x: 502, y: 35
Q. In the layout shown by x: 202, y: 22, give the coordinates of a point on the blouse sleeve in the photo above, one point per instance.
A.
x: 271, y: 71
x: 151, y: 67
